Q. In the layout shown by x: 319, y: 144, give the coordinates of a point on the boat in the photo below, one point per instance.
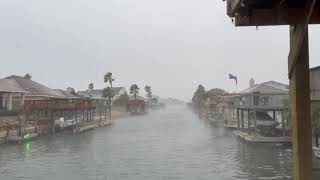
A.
x: 61, y: 123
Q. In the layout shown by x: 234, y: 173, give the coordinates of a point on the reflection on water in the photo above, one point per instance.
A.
x: 168, y: 144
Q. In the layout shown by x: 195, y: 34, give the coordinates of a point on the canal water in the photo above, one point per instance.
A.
x: 165, y: 144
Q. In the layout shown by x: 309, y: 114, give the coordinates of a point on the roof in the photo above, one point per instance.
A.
x: 137, y: 98
x: 270, y: 87
x: 216, y: 92
x: 10, y: 85
x: 266, y: 12
x: 98, y: 93
x: 69, y: 93
x: 27, y: 86
x: 316, y: 68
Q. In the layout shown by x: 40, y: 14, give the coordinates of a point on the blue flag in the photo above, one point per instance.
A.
x: 233, y: 77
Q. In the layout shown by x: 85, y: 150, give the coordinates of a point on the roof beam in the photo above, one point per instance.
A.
x: 281, y: 16
x: 233, y: 6
x: 299, y: 35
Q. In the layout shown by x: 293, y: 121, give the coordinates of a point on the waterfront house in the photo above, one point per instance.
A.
x: 261, y: 107
x: 28, y: 106
x: 14, y: 90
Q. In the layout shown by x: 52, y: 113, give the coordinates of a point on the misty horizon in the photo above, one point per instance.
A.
x: 173, y: 46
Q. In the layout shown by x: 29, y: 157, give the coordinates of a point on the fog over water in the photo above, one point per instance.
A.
x: 172, y: 45
x: 168, y: 144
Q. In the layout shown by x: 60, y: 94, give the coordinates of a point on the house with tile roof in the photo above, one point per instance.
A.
x: 14, y: 90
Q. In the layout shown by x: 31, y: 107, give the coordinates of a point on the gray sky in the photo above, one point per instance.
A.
x: 172, y: 45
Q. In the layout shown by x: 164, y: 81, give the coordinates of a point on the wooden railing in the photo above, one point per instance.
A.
x: 57, y: 104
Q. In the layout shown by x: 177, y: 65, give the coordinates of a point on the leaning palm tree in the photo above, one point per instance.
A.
x: 134, y: 90
x: 148, y: 90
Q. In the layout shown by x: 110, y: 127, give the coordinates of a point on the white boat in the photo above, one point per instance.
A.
x: 62, y: 123
x: 316, y: 152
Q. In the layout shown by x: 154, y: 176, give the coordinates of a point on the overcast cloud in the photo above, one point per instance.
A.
x: 172, y: 45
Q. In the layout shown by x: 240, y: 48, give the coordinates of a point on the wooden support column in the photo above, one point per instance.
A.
x: 283, y: 124
x: 232, y: 111
x: 76, y: 117
x: 230, y: 116
x: 9, y: 102
x: 300, y: 105
x: 87, y: 112
x: 83, y: 117
x: 274, y: 115
x: 105, y: 113
x: 242, y: 120
x: 238, y: 118
x: 255, y: 120
x: 316, y: 137
x: 249, y: 122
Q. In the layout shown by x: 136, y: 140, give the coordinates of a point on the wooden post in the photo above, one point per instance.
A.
x: 249, y: 123
x: 232, y: 111
x: 283, y: 124
x: 300, y: 107
x: 255, y: 121
x: 87, y: 112
x: 230, y: 115
x: 238, y: 118
x: 9, y: 102
x: 316, y: 138
x: 83, y: 117
x: 76, y: 117
x: 105, y: 113
x: 242, y: 120
x: 52, y: 121
x: 274, y: 115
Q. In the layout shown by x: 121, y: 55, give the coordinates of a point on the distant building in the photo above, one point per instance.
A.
x: 98, y: 93
x: 136, y: 104
x: 119, y: 95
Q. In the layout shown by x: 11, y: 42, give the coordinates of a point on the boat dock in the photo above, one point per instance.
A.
x: 256, y: 138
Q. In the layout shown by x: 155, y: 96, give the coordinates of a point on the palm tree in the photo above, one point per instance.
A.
x: 108, y: 91
x: 90, y: 88
x: 148, y: 90
x: 108, y: 78
x: 134, y: 90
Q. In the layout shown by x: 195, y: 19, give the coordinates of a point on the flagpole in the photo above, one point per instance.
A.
x: 236, y: 87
